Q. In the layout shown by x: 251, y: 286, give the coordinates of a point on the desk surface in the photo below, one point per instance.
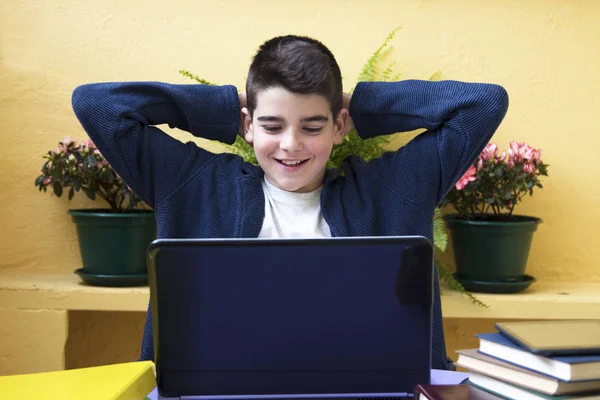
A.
x: 543, y: 300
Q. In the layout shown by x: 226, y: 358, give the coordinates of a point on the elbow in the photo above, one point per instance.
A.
x: 93, y: 109
x: 499, y: 99
x: 84, y: 99
x: 493, y: 105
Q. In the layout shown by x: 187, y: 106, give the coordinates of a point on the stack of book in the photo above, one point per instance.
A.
x: 507, y: 369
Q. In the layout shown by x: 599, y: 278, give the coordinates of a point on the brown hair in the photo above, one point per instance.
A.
x: 296, y: 63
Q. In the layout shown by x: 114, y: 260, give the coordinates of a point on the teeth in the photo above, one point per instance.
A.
x: 291, y: 163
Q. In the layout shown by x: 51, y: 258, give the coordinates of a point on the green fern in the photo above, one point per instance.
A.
x: 369, y: 70
x: 243, y: 149
x: 387, y: 73
x: 445, y: 274
x: 440, y: 236
x: 188, y: 74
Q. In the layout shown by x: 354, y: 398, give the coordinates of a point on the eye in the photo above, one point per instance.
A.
x: 271, y: 128
x: 313, y: 130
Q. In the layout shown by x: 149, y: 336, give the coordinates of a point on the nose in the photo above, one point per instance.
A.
x: 290, y: 140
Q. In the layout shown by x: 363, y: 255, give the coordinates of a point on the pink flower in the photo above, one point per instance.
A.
x: 469, y: 176
x: 537, y: 155
x: 527, y: 152
x: 501, y: 157
x: 65, y: 144
x: 489, y: 151
x: 47, y: 181
x: 513, y: 153
x: 523, y: 153
x: 529, y: 168
x: 88, y: 143
x: 479, y: 164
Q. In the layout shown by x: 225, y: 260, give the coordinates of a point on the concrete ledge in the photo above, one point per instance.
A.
x: 543, y: 300
x: 27, y: 290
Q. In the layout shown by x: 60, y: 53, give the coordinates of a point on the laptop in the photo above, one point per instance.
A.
x: 328, y: 318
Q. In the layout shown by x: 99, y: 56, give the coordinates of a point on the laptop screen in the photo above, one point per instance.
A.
x: 235, y: 317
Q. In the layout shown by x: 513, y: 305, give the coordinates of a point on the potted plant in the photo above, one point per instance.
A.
x: 112, y: 241
x: 367, y: 149
x: 491, y: 243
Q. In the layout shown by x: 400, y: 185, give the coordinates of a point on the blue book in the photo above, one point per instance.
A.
x: 567, y: 368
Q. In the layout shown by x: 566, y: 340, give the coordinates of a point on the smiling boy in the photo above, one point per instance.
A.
x: 295, y: 112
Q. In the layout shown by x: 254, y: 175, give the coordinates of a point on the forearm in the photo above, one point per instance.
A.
x: 380, y: 108
x: 211, y: 112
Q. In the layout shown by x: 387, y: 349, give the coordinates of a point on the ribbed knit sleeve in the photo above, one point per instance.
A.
x: 120, y: 118
x: 460, y: 118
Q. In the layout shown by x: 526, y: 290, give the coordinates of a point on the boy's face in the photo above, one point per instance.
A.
x: 293, y: 135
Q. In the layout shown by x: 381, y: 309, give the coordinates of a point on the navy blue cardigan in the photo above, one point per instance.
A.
x: 198, y: 194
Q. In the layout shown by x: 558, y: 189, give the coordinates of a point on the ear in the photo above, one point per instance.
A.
x: 340, y: 126
x: 248, y: 128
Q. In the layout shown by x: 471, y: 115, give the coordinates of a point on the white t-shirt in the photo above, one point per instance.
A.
x: 292, y: 215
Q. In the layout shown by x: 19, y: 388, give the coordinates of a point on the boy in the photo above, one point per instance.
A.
x: 295, y: 112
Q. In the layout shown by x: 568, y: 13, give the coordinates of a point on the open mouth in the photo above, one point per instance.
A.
x: 291, y: 163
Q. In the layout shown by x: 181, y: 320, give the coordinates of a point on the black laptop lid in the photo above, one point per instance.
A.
x: 343, y: 315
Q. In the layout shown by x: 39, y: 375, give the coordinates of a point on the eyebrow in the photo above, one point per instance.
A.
x: 316, y: 118
x: 272, y: 118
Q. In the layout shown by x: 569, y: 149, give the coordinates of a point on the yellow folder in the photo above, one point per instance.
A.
x: 108, y: 382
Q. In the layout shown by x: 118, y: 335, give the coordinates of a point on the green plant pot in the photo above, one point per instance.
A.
x: 491, y: 251
x: 113, y: 245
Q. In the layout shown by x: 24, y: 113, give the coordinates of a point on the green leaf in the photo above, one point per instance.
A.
x: 440, y: 237
x: 56, y: 173
x: 110, y: 178
x: 57, y: 189
x: 446, y: 276
x: 195, y: 77
x: 71, y: 193
x: 39, y: 180
x: 90, y: 193
x: 436, y: 76
x: 90, y: 161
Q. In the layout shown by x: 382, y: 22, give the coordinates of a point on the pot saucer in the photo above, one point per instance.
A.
x: 495, y: 286
x: 112, y: 280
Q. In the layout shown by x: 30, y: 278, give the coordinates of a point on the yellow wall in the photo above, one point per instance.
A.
x: 545, y: 53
